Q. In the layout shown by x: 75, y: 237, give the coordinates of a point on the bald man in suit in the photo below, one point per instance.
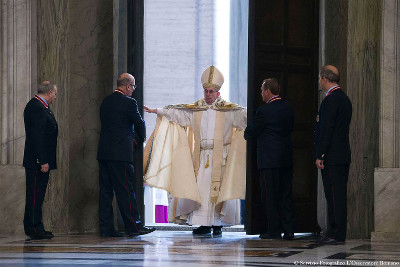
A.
x: 333, y: 155
x: 120, y: 118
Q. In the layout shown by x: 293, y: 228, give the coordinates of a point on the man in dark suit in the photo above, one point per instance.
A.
x: 119, y: 118
x: 39, y: 156
x: 333, y: 155
x: 272, y: 126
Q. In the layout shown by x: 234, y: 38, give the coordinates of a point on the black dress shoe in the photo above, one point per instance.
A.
x: 141, y: 231
x: 217, y: 230
x: 270, y: 236
x: 288, y: 236
x: 202, y: 230
x: 41, y: 235
x: 48, y: 233
x: 112, y: 234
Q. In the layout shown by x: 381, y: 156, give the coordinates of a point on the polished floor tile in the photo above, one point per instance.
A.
x: 181, y: 248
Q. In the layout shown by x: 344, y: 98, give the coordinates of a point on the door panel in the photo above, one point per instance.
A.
x: 283, y: 43
x: 135, y: 67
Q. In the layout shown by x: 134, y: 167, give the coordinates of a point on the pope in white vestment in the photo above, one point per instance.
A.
x: 197, y: 153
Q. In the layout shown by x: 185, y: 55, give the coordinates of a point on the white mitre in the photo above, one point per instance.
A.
x: 213, y: 78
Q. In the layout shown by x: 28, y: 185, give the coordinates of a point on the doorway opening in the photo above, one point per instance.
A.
x: 178, y: 46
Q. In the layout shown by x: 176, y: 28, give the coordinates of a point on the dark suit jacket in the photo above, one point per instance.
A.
x: 119, y: 118
x: 41, y: 136
x: 332, y: 130
x: 272, y: 126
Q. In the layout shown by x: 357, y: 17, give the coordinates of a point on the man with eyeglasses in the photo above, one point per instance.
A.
x: 119, y: 118
x: 203, y: 168
x: 333, y: 153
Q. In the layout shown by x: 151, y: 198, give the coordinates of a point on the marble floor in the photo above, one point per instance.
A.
x: 181, y: 248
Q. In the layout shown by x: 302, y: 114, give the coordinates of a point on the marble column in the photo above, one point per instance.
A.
x: 363, y: 39
x: 53, y: 64
x: 18, y: 80
x: 76, y: 51
x: 91, y: 79
x: 351, y: 42
x: 387, y: 176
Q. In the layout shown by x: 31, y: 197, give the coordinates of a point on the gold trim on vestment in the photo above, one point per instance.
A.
x: 218, y: 105
x: 211, y: 74
x: 211, y: 85
x: 233, y: 183
x: 170, y: 166
x: 196, y: 131
x: 217, y: 156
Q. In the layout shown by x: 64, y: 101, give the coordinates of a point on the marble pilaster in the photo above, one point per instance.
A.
x: 389, y: 143
x: 351, y: 42
x: 91, y: 79
x: 12, y: 204
x: 363, y: 53
x: 16, y: 70
x: 387, y: 177
x: 387, y: 205
x: 53, y: 65
x: 18, y: 73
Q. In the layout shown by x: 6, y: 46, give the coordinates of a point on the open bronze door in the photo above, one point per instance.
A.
x: 283, y: 43
x: 135, y: 65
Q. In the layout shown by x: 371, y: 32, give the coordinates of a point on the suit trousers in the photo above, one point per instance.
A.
x: 277, y: 200
x: 334, y: 178
x: 117, y: 176
x: 36, y: 185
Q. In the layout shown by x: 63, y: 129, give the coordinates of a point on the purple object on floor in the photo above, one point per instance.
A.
x: 161, y: 214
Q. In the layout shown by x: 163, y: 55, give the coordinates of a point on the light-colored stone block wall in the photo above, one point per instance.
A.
x: 387, y: 205
x: 178, y: 47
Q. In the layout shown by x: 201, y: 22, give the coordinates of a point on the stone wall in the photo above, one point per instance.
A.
x: 352, y: 43
x: 70, y: 42
x: 73, y: 43
x: 91, y: 79
x: 53, y: 65
x: 363, y: 55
